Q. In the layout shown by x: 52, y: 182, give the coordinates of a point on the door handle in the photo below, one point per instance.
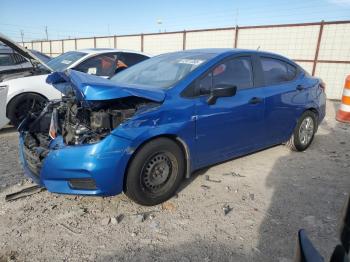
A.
x: 255, y: 100
x: 300, y: 87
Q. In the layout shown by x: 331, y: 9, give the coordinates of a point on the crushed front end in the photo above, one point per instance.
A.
x: 70, y: 148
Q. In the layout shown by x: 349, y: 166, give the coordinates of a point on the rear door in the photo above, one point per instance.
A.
x: 284, y: 97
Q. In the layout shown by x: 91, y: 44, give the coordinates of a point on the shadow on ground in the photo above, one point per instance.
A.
x: 301, y: 182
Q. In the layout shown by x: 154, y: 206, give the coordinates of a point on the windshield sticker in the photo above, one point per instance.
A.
x: 66, y: 62
x: 191, y: 61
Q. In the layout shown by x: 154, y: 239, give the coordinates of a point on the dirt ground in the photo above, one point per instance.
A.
x: 268, y: 195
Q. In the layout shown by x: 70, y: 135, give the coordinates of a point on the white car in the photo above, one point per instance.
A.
x: 28, y: 94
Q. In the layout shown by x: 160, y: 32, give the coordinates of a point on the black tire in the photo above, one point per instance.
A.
x: 298, y: 141
x: 155, y: 172
x: 20, y: 106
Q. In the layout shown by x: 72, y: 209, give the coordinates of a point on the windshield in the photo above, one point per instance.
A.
x: 62, y: 62
x: 41, y: 56
x: 162, y: 71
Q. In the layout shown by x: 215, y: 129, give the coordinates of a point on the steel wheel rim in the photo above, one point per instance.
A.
x: 157, y: 171
x: 306, y: 130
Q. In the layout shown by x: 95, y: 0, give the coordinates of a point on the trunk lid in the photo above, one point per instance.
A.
x: 94, y: 88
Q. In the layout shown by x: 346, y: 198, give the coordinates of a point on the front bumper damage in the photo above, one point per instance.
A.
x: 90, y: 169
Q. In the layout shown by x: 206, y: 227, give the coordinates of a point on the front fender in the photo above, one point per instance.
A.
x: 31, y: 84
x: 174, y: 123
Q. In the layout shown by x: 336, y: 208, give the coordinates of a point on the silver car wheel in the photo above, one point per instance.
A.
x: 306, y: 130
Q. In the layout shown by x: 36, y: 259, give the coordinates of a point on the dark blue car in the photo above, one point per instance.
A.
x: 150, y: 126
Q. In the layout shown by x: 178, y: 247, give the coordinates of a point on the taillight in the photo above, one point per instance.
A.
x: 323, y: 86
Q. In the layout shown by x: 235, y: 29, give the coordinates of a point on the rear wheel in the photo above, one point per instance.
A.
x: 304, y: 132
x: 22, y: 105
x: 155, y: 172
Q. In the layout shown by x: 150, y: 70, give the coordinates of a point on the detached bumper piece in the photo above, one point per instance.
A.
x: 82, y: 184
x: 24, y: 193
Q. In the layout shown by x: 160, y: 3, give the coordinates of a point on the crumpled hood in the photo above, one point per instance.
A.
x: 94, y: 88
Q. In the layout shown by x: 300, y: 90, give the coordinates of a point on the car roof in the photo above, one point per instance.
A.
x: 108, y: 50
x: 228, y: 51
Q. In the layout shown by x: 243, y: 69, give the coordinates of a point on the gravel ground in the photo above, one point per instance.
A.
x: 267, y: 196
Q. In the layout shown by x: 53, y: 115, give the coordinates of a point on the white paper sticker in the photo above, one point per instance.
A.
x: 191, y: 61
x: 66, y: 62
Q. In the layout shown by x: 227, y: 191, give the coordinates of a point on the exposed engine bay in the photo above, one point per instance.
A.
x: 81, y: 124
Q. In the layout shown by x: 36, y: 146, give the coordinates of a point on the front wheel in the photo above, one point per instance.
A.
x: 304, y: 132
x: 155, y: 173
x: 22, y: 105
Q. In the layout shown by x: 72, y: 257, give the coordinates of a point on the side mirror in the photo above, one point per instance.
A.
x: 221, y: 90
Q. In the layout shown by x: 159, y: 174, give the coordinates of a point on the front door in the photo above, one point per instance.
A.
x: 233, y: 125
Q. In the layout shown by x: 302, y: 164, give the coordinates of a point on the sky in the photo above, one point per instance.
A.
x: 78, y: 18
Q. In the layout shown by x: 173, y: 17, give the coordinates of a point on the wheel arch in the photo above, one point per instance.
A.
x: 20, y: 94
x: 179, y: 141
x: 314, y: 110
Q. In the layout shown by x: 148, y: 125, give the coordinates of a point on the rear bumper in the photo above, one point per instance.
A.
x: 99, y: 167
x: 322, y: 109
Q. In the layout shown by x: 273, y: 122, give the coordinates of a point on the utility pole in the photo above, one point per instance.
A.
x: 236, y: 16
x: 22, y: 35
x: 47, y: 34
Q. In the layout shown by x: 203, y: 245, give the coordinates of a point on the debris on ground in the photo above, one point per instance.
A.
x: 105, y: 221
x: 69, y: 229
x: 207, y: 178
x: 227, y: 209
x: 205, y: 187
x: 168, y: 206
x: 232, y: 173
x: 28, y: 191
x: 119, y: 218
x: 140, y: 218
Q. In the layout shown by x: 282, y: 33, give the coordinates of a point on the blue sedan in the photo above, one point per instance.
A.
x: 150, y: 126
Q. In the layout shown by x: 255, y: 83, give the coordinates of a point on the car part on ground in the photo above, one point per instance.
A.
x: 28, y: 191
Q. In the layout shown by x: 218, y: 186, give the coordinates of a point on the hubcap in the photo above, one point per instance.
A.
x: 156, y: 171
x: 306, y: 130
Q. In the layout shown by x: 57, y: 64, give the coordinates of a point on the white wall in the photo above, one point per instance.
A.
x: 295, y: 42
x: 105, y: 42
x: 210, y: 39
x: 129, y: 42
x: 164, y: 43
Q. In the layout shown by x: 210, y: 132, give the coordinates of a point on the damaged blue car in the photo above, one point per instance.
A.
x: 150, y: 126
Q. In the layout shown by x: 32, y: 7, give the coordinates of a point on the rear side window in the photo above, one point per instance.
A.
x: 19, y: 59
x: 6, y: 60
x: 277, y: 71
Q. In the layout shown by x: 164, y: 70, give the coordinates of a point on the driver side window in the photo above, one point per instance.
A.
x: 100, y: 65
x: 235, y: 72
